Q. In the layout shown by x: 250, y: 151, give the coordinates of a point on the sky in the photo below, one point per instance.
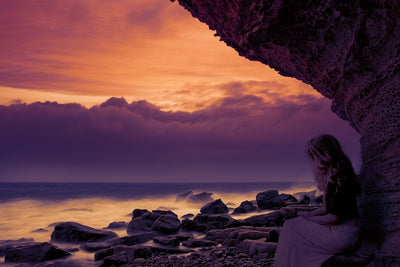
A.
x: 139, y: 91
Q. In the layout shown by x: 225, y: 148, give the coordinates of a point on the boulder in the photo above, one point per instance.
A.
x: 183, y: 196
x: 184, y: 236
x: 138, y: 212
x: 276, y: 218
x: 39, y: 230
x: 133, y: 239
x: 200, y: 198
x: 35, y: 252
x: 215, y: 207
x: 220, y: 235
x: 245, y: 207
x: 195, y: 243
x: 115, y: 260
x: 188, y: 216
x: 166, y: 224
x: 124, y: 253
x: 311, y: 197
x: 166, y: 250
x: 168, y: 241
x: 117, y: 225
x: 165, y: 212
x: 287, y: 198
x: 206, y: 222
x: 256, y: 247
x: 142, y: 223
x: 6, y: 245
x: 161, y: 221
x: 75, y: 232
x: 139, y: 262
x: 269, y: 200
x: 142, y: 252
x: 94, y: 246
x: 232, y: 237
x: 274, y: 236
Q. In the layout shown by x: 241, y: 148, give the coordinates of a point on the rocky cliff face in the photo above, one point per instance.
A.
x: 349, y: 51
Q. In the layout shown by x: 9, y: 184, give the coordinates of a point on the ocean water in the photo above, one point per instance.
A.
x: 26, y: 207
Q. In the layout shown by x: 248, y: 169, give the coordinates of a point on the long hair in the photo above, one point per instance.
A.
x: 331, y: 165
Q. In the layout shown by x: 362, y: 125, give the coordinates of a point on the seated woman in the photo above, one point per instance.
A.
x: 313, y: 237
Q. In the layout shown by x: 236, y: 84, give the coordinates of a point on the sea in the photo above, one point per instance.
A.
x: 31, y: 209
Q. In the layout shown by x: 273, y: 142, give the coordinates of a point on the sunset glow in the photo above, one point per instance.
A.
x: 88, y: 51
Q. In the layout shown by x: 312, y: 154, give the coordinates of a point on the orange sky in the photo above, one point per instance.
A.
x: 87, y: 51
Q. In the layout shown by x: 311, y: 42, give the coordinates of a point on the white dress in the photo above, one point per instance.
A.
x: 303, y: 243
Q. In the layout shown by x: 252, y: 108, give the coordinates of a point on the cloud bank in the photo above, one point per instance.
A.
x: 238, y: 138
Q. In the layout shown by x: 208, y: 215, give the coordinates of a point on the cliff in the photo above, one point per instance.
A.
x: 349, y: 51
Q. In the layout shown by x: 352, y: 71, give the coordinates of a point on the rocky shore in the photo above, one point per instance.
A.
x: 213, y: 237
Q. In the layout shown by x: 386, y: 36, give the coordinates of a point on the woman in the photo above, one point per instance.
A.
x: 313, y: 237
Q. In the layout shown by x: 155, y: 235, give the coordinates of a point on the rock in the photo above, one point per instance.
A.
x: 184, y: 236
x: 200, y: 198
x: 75, y: 232
x: 6, y: 245
x: 169, y: 241
x: 95, y: 246
x: 287, y: 198
x: 206, y: 222
x: 117, y: 225
x: 35, y: 252
x: 164, y: 250
x: 133, y: 239
x: 72, y: 250
x: 165, y: 208
x: 128, y: 254
x: 165, y: 212
x: 256, y: 247
x: 141, y: 252
x: 115, y: 260
x: 187, y: 216
x: 311, y: 197
x: 138, y: 212
x: 273, y: 236
x: 276, y: 218
x: 215, y: 207
x: 232, y: 237
x: 166, y: 224
x: 139, y: 262
x: 124, y: 253
x: 183, y: 196
x: 220, y: 235
x: 245, y: 207
x: 40, y: 230
x: 142, y: 223
x: 195, y: 243
x: 269, y: 200
x: 158, y: 220
x: 319, y: 199
x: 103, y: 253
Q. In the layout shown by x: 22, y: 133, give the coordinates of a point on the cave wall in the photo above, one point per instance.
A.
x: 349, y: 51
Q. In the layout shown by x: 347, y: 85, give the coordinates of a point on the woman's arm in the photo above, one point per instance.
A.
x: 323, y: 219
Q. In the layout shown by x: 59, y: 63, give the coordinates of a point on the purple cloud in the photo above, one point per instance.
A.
x: 237, y: 138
